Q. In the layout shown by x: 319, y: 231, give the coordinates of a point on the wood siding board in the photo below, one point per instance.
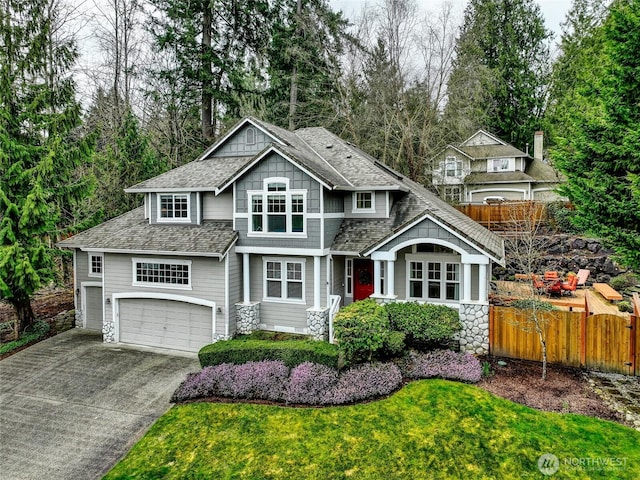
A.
x: 235, y: 288
x: 311, y: 241
x: 331, y: 227
x: 236, y: 146
x: 217, y: 207
x: 333, y: 202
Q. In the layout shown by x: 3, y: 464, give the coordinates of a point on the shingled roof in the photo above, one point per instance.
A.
x: 131, y: 232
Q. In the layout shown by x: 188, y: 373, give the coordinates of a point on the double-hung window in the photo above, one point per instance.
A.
x: 277, y: 209
x: 95, y: 265
x: 173, y: 207
x: 500, y: 164
x: 363, y: 202
x: 453, y: 167
x: 284, y: 280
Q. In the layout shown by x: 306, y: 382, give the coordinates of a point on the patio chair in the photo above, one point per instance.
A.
x: 583, y: 275
x: 538, y: 283
x: 552, y: 275
x: 570, y: 285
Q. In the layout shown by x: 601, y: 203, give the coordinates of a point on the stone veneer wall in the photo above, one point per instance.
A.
x: 318, y: 323
x: 474, y: 336
x: 108, y: 332
x: 247, y: 317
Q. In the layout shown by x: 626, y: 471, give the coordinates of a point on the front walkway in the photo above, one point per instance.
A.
x: 621, y: 392
x: 73, y: 406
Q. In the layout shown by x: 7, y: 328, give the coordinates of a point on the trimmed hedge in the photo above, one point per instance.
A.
x: 423, y: 324
x: 361, y: 329
x: 290, y: 352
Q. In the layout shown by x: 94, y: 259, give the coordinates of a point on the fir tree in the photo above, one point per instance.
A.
x: 40, y: 151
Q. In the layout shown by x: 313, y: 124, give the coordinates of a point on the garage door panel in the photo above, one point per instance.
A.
x: 165, y: 323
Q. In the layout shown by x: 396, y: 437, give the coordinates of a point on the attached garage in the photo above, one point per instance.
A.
x: 92, y: 306
x: 179, y: 323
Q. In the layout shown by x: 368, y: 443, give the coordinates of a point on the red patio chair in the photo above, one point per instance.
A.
x: 548, y: 276
x: 570, y: 285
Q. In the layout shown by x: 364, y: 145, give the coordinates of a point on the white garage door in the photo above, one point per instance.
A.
x: 165, y: 323
x: 93, y: 308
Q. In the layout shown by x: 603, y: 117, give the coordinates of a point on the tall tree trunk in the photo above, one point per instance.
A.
x: 293, y: 99
x: 206, y: 107
x: 24, y: 312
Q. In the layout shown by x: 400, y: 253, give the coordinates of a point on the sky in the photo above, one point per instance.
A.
x: 554, y: 11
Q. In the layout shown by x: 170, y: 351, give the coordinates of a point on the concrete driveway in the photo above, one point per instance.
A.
x: 71, y: 406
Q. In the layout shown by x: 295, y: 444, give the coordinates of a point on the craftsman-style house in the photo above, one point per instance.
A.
x: 272, y: 229
x: 484, y: 167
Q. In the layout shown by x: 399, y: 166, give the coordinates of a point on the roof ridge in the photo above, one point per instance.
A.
x: 320, y: 156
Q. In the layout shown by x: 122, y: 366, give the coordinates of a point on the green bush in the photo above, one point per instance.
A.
x: 424, y: 324
x: 361, y: 329
x: 561, y: 217
x: 530, y: 304
x: 35, y: 332
x: 291, y: 352
x: 624, y: 281
x: 625, y: 306
x: 394, y: 344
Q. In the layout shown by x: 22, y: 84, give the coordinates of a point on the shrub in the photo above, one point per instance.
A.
x: 561, y: 217
x: 394, y: 344
x: 34, y: 332
x: 625, y: 306
x: 624, y: 281
x: 361, y: 329
x: 530, y: 304
x: 443, y: 364
x: 308, y: 382
x: 291, y: 353
x: 364, y: 382
x: 253, y: 380
x: 423, y: 324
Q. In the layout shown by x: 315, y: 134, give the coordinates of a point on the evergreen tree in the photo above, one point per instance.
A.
x: 40, y: 151
x: 499, y: 78
x: 599, y: 149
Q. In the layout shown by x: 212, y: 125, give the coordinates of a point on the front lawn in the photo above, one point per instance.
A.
x: 429, y: 429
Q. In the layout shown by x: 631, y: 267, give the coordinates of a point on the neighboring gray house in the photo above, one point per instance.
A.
x: 483, y: 166
x: 272, y: 229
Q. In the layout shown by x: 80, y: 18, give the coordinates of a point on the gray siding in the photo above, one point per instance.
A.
x: 380, y: 202
x: 331, y: 227
x: 276, y: 166
x: 286, y: 316
x: 193, y: 206
x: 207, y: 279
x: 337, y: 287
x: 426, y: 230
x: 236, y: 146
x: 81, y: 272
x: 333, y: 202
x: 217, y: 207
x: 312, y: 240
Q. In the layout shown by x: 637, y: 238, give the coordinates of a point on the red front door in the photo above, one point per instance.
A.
x: 362, y: 279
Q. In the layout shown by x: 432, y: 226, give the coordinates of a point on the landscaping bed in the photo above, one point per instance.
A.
x: 565, y: 390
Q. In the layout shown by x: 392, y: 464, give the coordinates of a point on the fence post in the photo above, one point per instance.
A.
x: 583, y: 331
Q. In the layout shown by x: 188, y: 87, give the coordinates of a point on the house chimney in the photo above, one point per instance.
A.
x: 538, y: 143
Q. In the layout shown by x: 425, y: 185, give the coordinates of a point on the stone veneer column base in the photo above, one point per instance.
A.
x: 109, y: 332
x: 247, y: 317
x: 474, y: 336
x: 318, y: 323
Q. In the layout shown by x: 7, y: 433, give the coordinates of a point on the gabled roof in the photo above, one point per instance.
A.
x: 478, y: 152
x: 493, y: 137
x: 132, y: 233
x: 542, y: 172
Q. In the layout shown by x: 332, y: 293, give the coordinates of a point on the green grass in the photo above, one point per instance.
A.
x: 429, y: 429
x: 39, y: 330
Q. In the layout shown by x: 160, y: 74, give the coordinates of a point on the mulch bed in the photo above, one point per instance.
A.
x: 565, y: 390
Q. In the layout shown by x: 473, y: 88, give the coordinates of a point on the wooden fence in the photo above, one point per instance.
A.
x: 602, y: 342
x: 505, y: 215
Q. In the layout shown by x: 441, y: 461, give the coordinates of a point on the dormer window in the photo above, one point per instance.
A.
x: 173, y: 207
x: 251, y: 136
x: 363, y: 202
x: 277, y: 209
x: 500, y: 165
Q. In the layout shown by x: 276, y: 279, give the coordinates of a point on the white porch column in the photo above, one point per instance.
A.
x: 482, y: 283
x: 316, y: 283
x: 390, y: 278
x: 466, y: 285
x: 246, y: 284
x: 376, y: 278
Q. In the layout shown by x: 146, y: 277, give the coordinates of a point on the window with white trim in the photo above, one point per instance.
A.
x: 453, y: 167
x: 95, y: 265
x: 433, y: 280
x: 363, y: 202
x: 284, y: 280
x: 174, y: 207
x: 251, y: 136
x: 169, y: 274
x: 500, y: 165
x: 277, y: 209
x: 348, y: 277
